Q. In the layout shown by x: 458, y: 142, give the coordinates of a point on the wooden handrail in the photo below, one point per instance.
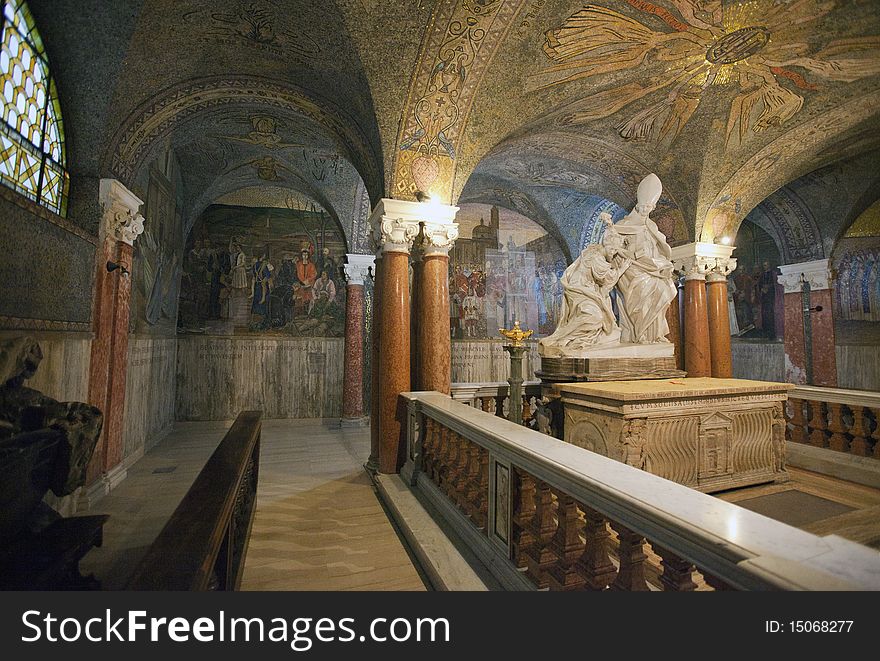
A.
x: 202, y: 547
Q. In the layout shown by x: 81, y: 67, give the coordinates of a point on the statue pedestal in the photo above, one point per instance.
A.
x: 708, y: 434
x: 619, y: 362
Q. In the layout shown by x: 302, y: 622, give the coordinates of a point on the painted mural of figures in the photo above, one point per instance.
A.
x: 766, y: 291
x: 262, y: 272
x: 586, y: 318
x: 323, y: 295
x: 539, y: 298
x: 238, y: 264
x: 282, y: 292
x: 646, y: 285
x: 471, y: 309
x: 306, y: 275
x: 455, y: 321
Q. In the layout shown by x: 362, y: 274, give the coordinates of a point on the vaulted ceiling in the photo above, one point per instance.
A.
x: 556, y: 106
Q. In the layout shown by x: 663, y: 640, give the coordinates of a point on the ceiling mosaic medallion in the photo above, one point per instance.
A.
x: 758, y: 48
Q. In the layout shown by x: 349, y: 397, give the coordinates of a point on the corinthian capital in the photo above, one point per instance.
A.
x: 438, y: 238
x: 397, y: 223
x: 698, y: 261
x: 120, y: 217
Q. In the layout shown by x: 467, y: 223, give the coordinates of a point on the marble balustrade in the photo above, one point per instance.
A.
x: 836, y: 419
x: 495, y: 398
x: 545, y: 514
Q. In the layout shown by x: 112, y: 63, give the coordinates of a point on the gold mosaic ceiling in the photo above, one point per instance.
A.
x: 725, y: 101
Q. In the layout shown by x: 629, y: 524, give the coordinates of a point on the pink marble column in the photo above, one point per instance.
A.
x: 396, y: 224
x: 357, y: 270
x: 823, y: 352
x: 433, y: 364
x: 121, y: 224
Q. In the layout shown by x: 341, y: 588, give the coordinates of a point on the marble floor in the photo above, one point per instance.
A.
x: 318, y: 524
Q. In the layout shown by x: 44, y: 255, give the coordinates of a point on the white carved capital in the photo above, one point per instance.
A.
x: 357, y: 268
x: 396, y: 223
x: 438, y: 238
x: 120, y: 218
x: 817, y: 273
x: 700, y: 261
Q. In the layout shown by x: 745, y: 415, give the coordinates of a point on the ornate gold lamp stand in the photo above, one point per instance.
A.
x: 516, y: 349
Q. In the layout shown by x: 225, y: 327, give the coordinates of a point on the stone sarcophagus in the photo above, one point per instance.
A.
x: 708, y: 434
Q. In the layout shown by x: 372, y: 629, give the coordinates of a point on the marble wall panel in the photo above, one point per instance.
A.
x: 217, y: 377
x: 858, y: 367
x: 763, y: 361
x: 149, y: 393
x: 483, y: 361
x: 64, y: 371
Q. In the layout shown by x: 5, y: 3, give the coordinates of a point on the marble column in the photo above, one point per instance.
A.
x: 697, y: 355
x: 357, y: 270
x: 121, y: 224
x: 395, y: 226
x: 695, y: 260
x: 373, y: 461
x: 431, y: 306
x: 824, y: 358
x: 673, y: 320
x: 719, y: 324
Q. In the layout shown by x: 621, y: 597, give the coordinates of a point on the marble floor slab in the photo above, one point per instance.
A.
x: 318, y: 523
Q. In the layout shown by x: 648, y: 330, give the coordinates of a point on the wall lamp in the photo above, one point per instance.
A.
x: 112, y: 266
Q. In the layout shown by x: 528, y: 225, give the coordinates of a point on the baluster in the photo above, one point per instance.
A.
x: 798, y: 421
x: 481, y: 503
x: 595, y: 564
x: 631, y: 554
x: 443, y: 455
x: 523, y: 513
x: 500, y: 405
x: 541, y: 557
x: 471, y: 481
x: 436, y: 453
x: 875, y: 435
x: 428, y: 447
x: 860, y: 445
x: 818, y: 424
x: 526, y: 411
x: 678, y: 574
x: 448, y: 485
x: 459, y: 484
x: 487, y: 404
x: 838, y: 440
x: 566, y: 545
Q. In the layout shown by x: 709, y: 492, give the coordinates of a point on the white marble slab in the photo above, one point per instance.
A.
x: 285, y: 378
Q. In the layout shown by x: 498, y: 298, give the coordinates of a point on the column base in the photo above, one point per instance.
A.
x: 354, y: 423
x: 372, y: 465
x: 102, y: 486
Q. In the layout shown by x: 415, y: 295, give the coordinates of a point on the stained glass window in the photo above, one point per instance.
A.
x: 32, y: 158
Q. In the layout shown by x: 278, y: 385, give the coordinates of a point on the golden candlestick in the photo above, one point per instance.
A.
x: 516, y: 335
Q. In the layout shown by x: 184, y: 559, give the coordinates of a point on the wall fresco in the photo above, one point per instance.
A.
x: 503, y: 268
x: 263, y: 271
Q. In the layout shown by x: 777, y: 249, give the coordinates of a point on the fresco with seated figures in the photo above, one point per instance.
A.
x: 263, y: 271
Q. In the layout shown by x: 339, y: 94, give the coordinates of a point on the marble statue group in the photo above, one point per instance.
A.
x: 632, y: 259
